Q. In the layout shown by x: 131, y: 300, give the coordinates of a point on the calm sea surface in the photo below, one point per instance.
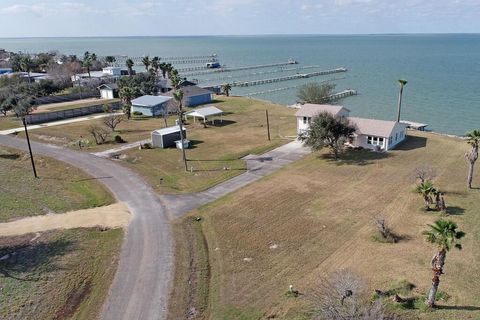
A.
x: 443, y: 71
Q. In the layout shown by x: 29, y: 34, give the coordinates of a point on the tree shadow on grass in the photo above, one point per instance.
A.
x: 463, y: 308
x: 359, y: 157
x: 220, y: 123
x: 411, y: 143
x: 455, y: 211
x: 37, y: 258
x: 9, y: 156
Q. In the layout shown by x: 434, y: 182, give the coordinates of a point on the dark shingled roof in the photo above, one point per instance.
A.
x: 191, y: 91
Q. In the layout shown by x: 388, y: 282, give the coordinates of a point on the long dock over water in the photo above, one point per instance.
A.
x: 285, y: 78
x: 225, y: 69
x: 121, y: 60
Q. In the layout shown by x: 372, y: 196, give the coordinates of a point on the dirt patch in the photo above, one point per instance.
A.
x: 112, y: 216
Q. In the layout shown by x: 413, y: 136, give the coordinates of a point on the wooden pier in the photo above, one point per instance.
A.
x: 120, y: 61
x: 285, y: 78
x: 415, y: 125
x: 225, y: 69
x: 343, y: 94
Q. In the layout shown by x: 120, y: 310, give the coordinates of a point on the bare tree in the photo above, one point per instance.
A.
x: 98, y: 133
x: 113, y: 120
x: 342, y: 296
x: 384, y: 229
x: 425, y: 173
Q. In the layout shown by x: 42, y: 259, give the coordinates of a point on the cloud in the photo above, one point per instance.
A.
x: 45, y: 9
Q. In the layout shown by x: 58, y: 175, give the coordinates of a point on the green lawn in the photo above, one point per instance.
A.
x: 60, y: 275
x: 60, y: 188
x: 315, y: 217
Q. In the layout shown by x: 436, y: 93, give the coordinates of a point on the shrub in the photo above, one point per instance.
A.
x: 119, y: 139
x: 137, y: 113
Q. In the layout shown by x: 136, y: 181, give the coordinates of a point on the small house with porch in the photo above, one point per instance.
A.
x: 151, y: 105
x: 379, y: 135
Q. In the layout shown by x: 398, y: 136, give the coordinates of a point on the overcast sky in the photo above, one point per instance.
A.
x: 21, y: 18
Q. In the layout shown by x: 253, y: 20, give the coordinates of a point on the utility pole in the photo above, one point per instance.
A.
x: 402, y: 84
x: 268, y: 125
x: 29, y: 147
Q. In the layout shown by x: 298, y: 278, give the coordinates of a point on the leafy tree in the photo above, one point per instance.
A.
x: 427, y: 190
x: 146, y: 62
x: 315, y: 93
x: 226, y: 88
x: 129, y: 63
x: 178, y: 96
x: 7, y: 102
x: 328, y: 131
x: 473, y: 139
x: 24, y: 105
x: 110, y: 60
x: 444, y: 235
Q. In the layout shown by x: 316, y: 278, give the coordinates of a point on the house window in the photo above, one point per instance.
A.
x: 396, y: 136
x: 376, y: 141
x: 390, y: 140
x: 305, y: 119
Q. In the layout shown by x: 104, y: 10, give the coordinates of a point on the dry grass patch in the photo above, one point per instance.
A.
x: 218, y: 149
x: 73, y: 104
x: 57, y: 274
x: 60, y: 187
x: 315, y: 217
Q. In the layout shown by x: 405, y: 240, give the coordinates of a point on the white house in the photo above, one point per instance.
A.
x: 308, y: 111
x: 375, y: 134
x: 108, y: 91
x: 372, y: 134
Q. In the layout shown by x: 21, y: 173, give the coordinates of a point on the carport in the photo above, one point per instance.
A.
x: 205, y: 113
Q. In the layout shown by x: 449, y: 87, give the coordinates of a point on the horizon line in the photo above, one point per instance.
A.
x: 247, y: 35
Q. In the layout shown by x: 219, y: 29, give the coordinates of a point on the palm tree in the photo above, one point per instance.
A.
x: 26, y: 65
x: 88, y: 59
x: 127, y: 94
x: 426, y: 189
x: 146, y: 62
x: 402, y: 84
x: 473, y: 139
x: 129, y: 63
x: 444, y: 235
x: 226, y: 88
x: 156, y: 64
x: 178, y: 96
x: 163, y: 68
x: 175, y: 79
x: 169, y: 69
